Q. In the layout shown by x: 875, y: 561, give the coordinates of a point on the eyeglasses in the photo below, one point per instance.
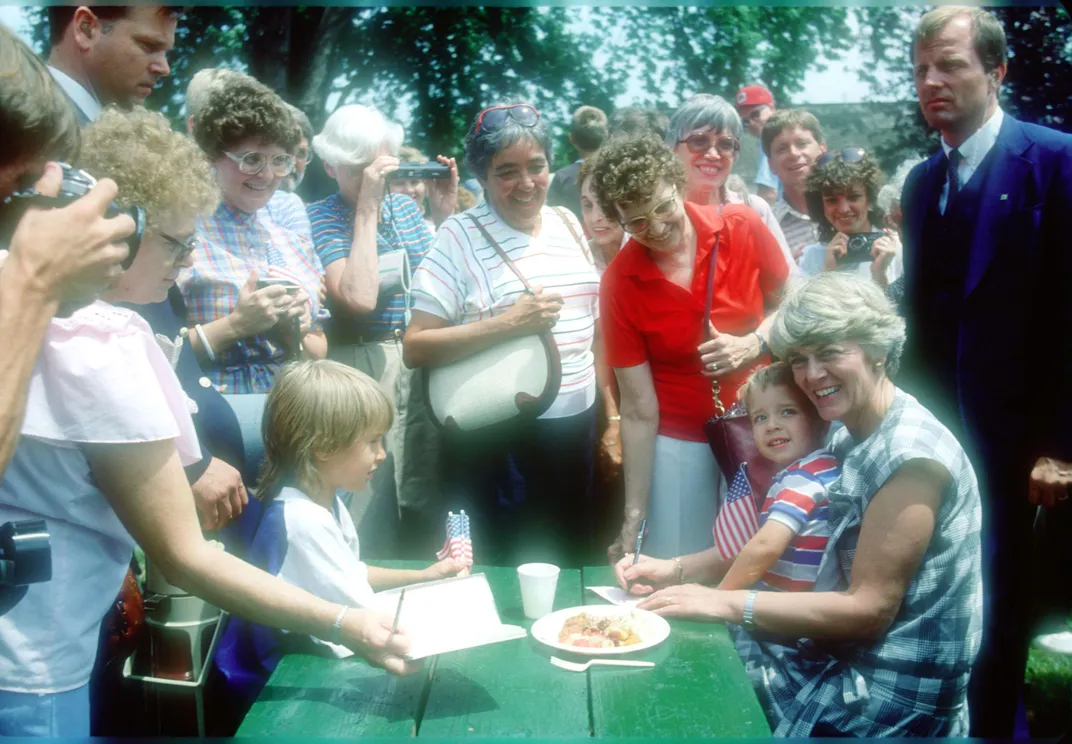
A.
x: 494, y: 118
x: 703, y: 141
x: 845, y: 155
x: 663, y: 211
x: 180, y: 249
x: 253, y: 162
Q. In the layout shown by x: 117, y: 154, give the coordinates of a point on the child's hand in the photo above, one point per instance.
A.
x: 445, y: 569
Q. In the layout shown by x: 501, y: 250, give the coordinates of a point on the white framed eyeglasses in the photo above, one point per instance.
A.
x: 253, y: 162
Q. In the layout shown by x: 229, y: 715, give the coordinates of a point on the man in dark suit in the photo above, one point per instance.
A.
x: 988, y: 268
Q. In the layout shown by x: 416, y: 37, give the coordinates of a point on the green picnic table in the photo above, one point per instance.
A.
x: 697, y: 688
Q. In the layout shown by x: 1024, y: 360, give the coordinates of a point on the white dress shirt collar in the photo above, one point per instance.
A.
x: 83, y: 99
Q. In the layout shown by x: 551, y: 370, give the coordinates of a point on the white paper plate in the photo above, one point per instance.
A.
x: 651, y: 628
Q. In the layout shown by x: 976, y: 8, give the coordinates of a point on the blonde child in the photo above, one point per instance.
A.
x: 784, y: 553
x: 323, y: 428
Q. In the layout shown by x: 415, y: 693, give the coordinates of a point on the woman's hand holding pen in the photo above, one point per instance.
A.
x: 645, y: 575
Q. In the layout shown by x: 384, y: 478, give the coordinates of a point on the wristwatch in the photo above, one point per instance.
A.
x: 748, y: 616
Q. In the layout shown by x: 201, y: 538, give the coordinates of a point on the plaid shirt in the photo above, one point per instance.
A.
x: 231, y: 244
x: 914, y: 681
x: 401, y: 226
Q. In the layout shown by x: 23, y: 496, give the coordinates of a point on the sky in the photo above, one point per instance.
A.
x: 838, y: 84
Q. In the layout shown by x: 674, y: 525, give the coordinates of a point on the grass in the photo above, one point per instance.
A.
x: 1048, y: 692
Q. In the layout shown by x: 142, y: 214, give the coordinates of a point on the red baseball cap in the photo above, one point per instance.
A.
x: 754, y: 95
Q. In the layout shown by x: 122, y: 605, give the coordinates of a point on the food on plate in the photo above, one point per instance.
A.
x: 598, y: 631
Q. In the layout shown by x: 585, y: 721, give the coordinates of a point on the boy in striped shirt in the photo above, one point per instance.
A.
x: 785, y: 552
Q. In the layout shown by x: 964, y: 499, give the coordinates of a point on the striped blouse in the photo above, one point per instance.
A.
x: 463, y: 280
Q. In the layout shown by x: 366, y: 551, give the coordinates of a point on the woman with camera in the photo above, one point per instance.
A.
x: 106, y: 433
x: 370, y: 239
x: 252, y: 294
x: 842, y: 195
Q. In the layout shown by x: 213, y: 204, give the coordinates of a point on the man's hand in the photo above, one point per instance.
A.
x: 71, y: 253
x: 1050, y: 481
x: 219, y: 495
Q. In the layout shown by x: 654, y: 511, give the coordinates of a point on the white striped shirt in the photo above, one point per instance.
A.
x: 463, y: 280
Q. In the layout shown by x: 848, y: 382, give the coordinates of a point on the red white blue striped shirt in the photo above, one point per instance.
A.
x: 797, y: 498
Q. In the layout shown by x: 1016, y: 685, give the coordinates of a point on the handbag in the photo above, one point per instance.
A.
x: 516, y: 379
x: 124, y: 624
x: 729, y: 432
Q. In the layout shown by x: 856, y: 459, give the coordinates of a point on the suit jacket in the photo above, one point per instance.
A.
x: 1014, y: 340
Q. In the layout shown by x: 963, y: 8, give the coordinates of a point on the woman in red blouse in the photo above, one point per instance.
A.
x: 651, y: 307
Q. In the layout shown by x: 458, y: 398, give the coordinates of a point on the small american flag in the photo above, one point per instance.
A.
x: 737, y: 520
x: 459, y: 544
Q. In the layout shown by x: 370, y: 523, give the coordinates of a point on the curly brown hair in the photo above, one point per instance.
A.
x: 627, y: 171
x: 241, y: 109
x: 154, y: 166
x: 837, y: 177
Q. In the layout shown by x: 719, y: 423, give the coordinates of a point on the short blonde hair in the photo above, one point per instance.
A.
x: 155, y: 167
x: 316, y: 409
x: 835, y: 307
x: 771, y: 375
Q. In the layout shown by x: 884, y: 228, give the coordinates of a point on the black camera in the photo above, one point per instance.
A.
x: 76, y: 184
x: 25, y: 558
x: 859, y: 248
x: 418, y: 171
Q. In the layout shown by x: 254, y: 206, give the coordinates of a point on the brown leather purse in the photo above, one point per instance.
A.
x: 125, y: 621
x: 729, y: 432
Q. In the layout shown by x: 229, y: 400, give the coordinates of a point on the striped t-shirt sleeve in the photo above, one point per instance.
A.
x: 331, y: 236
x: 800, y: 489
x: 437, y: 288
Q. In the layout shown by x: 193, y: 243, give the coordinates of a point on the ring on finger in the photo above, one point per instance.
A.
x: 712, y: 366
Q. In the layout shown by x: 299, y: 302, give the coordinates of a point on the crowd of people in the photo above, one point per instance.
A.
x: 195, y: 352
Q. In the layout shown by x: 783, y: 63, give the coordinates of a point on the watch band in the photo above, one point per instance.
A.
x: 748, y: 616
x: 763, y: 348
x: 336, y: 627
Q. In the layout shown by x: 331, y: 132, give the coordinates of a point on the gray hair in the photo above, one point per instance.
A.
x: 703, y: 110
x: 890, y: 194
x: 481, y: 147
x: 834, y: 307
x: 353, y: 135
x: 204, y: 83
x: 302, y: 121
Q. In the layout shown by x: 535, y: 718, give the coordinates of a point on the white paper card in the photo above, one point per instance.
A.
x: 615, y: 595
x: 447, y: 615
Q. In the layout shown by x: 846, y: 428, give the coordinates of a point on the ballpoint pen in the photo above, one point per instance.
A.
x: 398, y: 611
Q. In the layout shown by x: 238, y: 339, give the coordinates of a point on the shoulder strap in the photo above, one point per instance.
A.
x: 711, y: 282
x: 500, y: 251
x: 584, y: 245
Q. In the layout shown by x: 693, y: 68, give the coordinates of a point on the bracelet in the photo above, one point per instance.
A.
x: 680, y: 570
x: 204, y: 342
x: 336, y: 627
x: 614, y: 418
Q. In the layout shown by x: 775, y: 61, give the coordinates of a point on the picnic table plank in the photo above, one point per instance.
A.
x: 325, y: 696
x: 698, y: 687
x: 510, y: 688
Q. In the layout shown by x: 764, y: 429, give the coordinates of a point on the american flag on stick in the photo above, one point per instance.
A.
x: 459, y: 543
x: 737, y: 520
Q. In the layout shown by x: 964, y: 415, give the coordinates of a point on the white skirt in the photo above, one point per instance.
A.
x: 687, y: 488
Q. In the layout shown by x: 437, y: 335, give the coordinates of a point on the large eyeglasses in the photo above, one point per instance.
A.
x: 304, y: 154
x: 495, y: 118
x: 180, y: 249
x: 253, y: 162
x: 703, y: 141
x: 845, y: 155
x: 663, y: 211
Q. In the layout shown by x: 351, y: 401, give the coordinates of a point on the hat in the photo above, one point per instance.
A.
x: 754, y: 95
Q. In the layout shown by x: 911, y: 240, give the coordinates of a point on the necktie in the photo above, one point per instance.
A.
x: 954, y: 178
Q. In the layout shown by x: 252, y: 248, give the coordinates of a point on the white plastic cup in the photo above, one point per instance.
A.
x: 538, y: 584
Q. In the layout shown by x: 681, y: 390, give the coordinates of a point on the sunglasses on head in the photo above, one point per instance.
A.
x: 703, y: 141
x: 495, y: 118
x: 845, y: 155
